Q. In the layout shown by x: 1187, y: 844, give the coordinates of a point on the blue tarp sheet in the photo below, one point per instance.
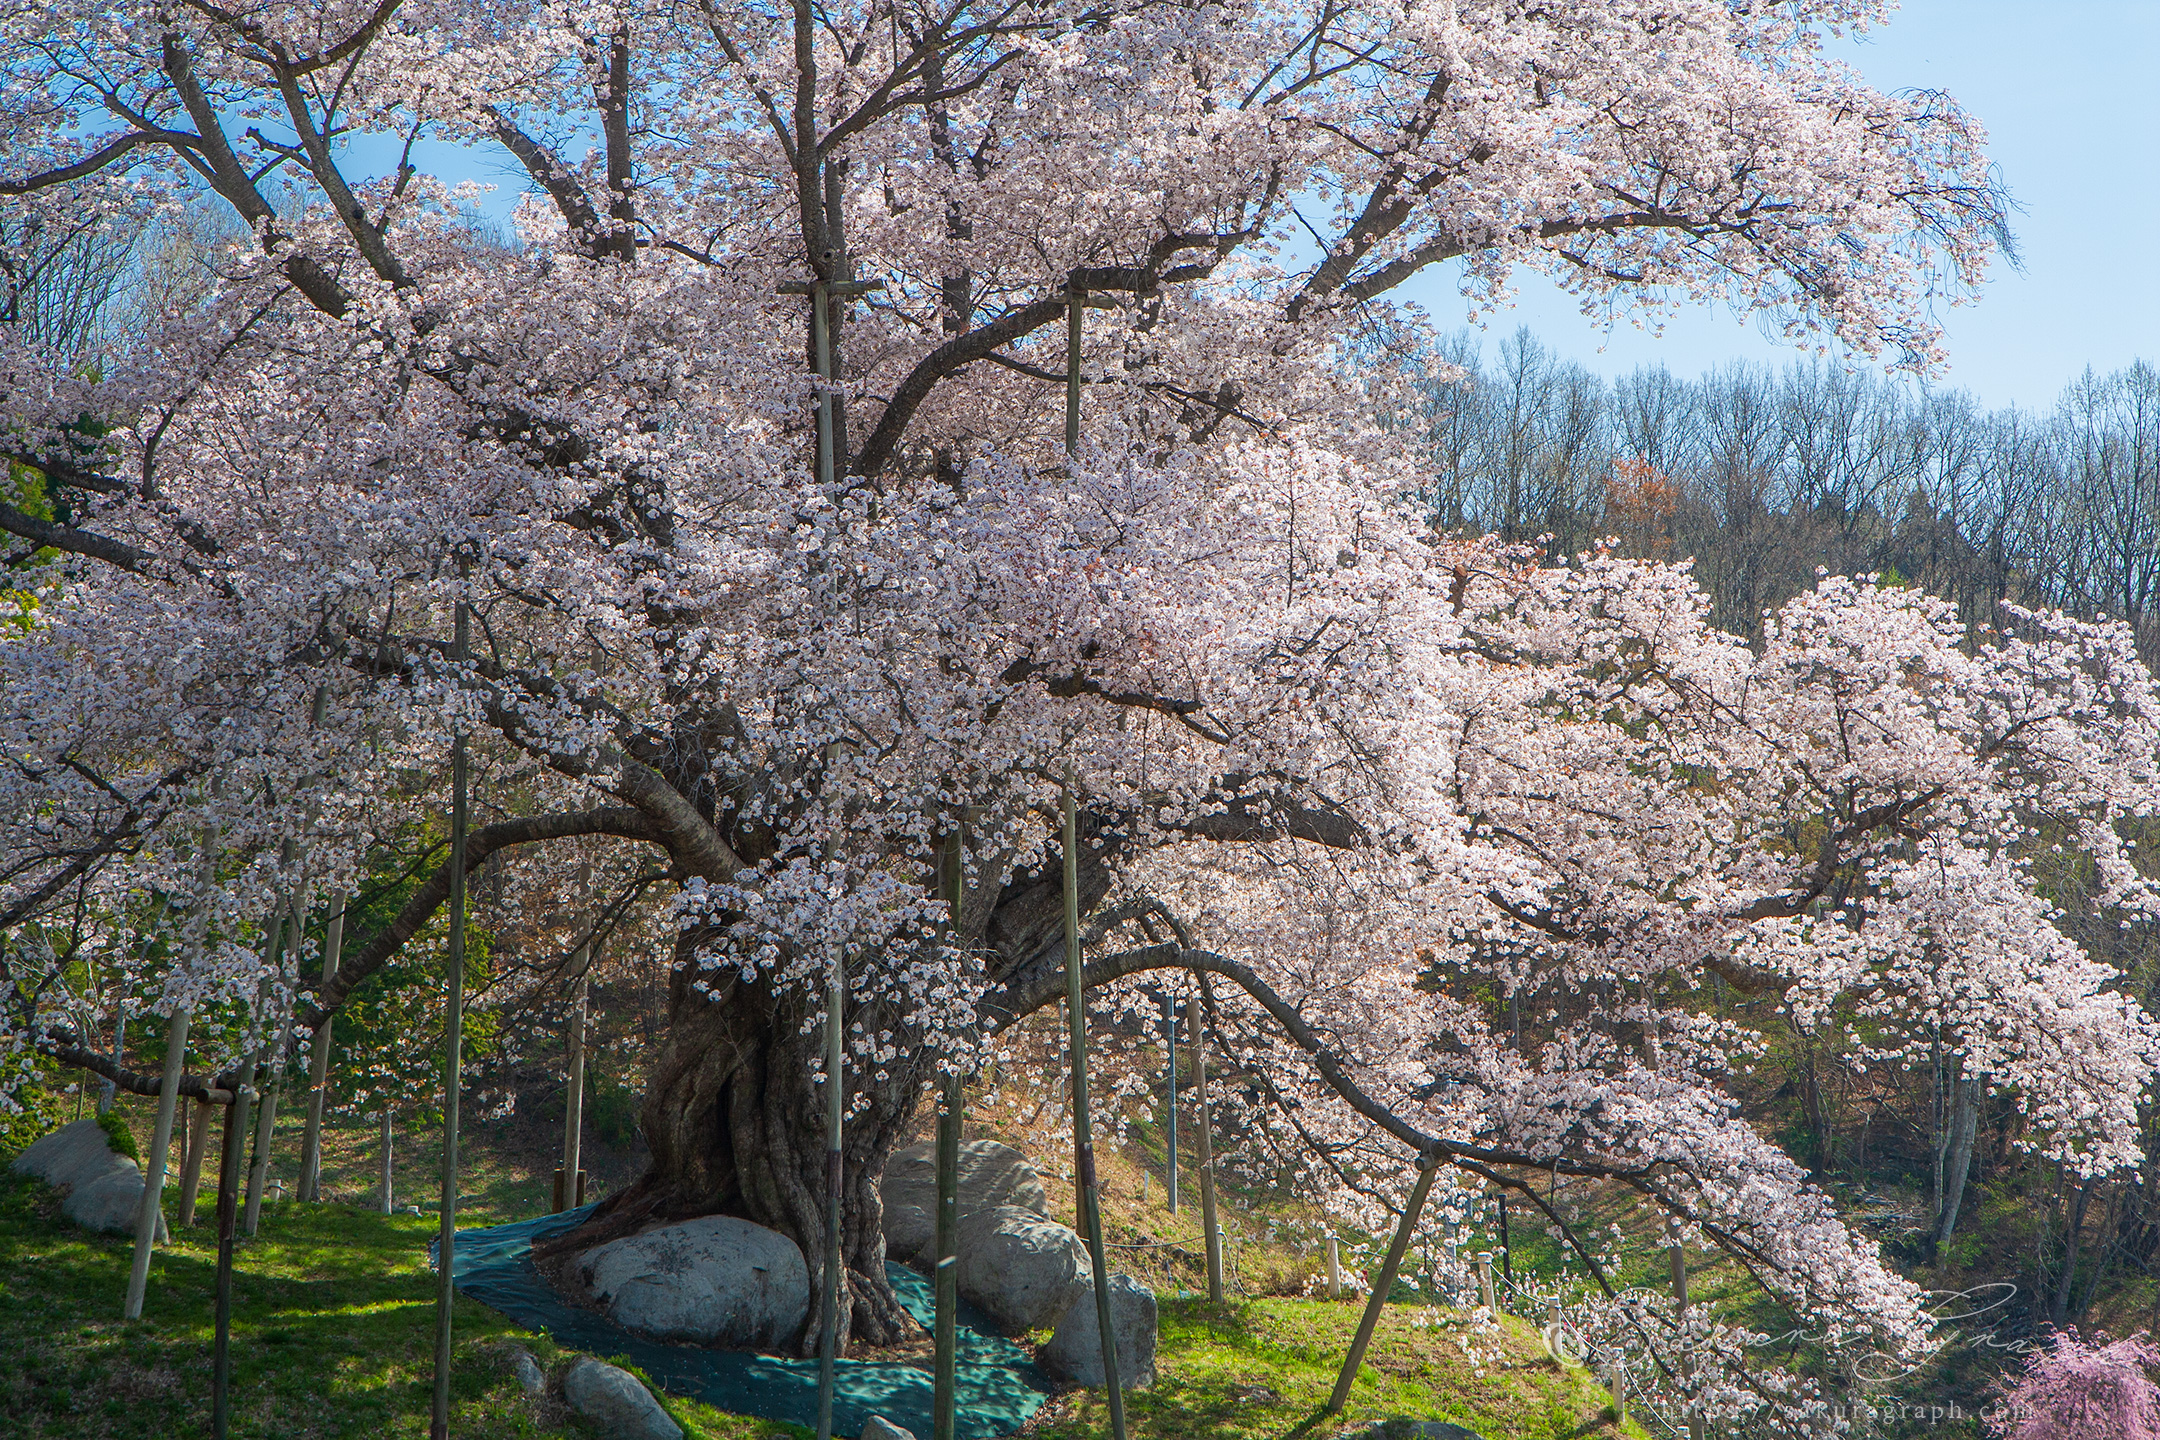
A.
x: 999, y: 1387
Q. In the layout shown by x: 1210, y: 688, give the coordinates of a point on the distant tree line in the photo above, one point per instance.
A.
x: 1761, y: 476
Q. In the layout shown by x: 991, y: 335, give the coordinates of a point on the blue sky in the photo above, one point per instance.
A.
x: 2068, y: 92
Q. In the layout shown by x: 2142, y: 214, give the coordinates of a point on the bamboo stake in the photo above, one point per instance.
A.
x: 1207, y: 1162
x: 453, y: 1056
x: 1083, y: 1141
x: 1384, y: 1283
x: 319, y: 1070
x: 152, y: 1208
x: 944, y: 1371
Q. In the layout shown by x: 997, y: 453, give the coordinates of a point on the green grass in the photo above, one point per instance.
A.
x: 333, y: 1335
x: 333, y: 1311
x: 1264, y: 1369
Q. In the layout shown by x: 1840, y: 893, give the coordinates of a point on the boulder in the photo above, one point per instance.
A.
x: 910, y: 1231
x: 1402, y: 1428
x: 99, y: 1189
x: 67, y: 1155
x: 527, y: 1372
x: 112, y: 1202
x: 990, y: 1175
x: 712, y: 1281
x: 880, y: 1428
x: 1020, y: 1268
x: 1075, y: 1351
x: 615, y: 1402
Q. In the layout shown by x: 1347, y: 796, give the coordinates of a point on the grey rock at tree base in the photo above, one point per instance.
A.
x: 1401, y: 1428
x: 527, y: 1373
x: 1020, y: 1268
x: 711, y: 1281
x: 880, y: 1428
x: 991, y: 1175
x: 100, y: 1190
x: 614, y: 1400
x: 910, y: 1231
x: 1075, y: 1351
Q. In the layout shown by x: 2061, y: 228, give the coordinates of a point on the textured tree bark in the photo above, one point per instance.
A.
x: 737, y: 1127
x: 1964, y: 1123
x: 736, y: 1124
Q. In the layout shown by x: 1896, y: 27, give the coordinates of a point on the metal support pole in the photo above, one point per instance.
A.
x: 319, y: 1070
x: 228, y: 1214
x: 1207, y: 1162
x: 1083, y: 1139
x: 945, y: 1367
x: 453, y: 1057
x: 1170, y: 1032
x: 1384, y: 1283
x: 153, y: 1195
x: 1334, y: 1267
x: 835, y: 1113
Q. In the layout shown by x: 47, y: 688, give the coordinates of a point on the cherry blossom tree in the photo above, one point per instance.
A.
x: 2076, y: 1391
x: 1312, y: 743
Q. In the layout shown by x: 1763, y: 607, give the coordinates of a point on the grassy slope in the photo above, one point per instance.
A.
x: 333, y: 1335
x: 333, y: 1310
x: 1263, y: 1370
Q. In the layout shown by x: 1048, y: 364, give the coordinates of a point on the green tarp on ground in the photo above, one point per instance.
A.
x: 999, y: 1387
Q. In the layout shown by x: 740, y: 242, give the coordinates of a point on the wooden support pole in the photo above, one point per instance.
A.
x: 1083, y: 1139
x: 228, y: 1215
x: 310, y: 1188
x: 152, y: 1208
x: 569, y: 1193
x: 1170, y: 1034
x: 109, y: 1090
x: 1384, y: 1282
x: 1334, y: 1267
x: 835, y: 1116
x: 389, y: 1196
x: 945, y: 1274
x: 1075, y: 323
x: 1687, y: 1361
x: 259, y: 1170
x: 1485, y: 1284
x: 453, y: 1056
x: 1207, y: 1162
x: 198, y: 1145
x: 266, y: 1055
